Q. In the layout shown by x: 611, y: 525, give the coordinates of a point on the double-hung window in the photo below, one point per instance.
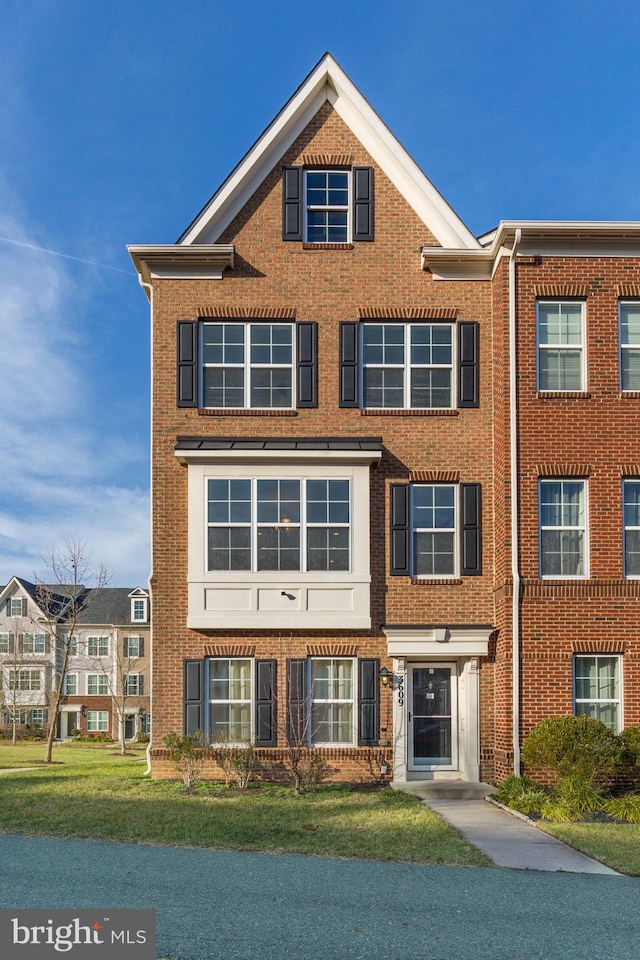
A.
x: 563, y: 528
x: 407, y: 366
x: 436, y: 530
x: 25, y: 680
x: 98, y: 646
x: 597, y: 689
x: 139, y: 609
x: 287, y: 524
x: 5, y: 643
x: 97, y: 685
x: 17, y: 607
x: 133, y: 684
x: 327, y: 206
x: 631, y: 516
x: 247, y: 365
x: 332, y: 689
x: 34, y: 643
x: 229, y: 687
x: 433, y: 514
x: 561, y: 354
x: 97, y: 721
x: 630, y: 345
x: 133, y: 647
x: 71, y: 685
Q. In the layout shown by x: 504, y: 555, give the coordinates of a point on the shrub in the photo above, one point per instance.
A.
x: 574, y: 745
x: 624, y: 808
x: 577, y: 791
x: 189, y: 752
x: 238, y: 761
x: 521, y: 794
x: 560, y: 811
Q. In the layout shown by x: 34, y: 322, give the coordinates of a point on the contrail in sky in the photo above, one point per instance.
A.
x: 66, y: 256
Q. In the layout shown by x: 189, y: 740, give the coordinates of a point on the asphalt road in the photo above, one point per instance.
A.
x: 218, y: 905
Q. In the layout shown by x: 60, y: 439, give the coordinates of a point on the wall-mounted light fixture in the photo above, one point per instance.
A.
x: 386, y: 676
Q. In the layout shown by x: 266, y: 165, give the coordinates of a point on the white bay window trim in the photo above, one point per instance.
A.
x: 274, y: 599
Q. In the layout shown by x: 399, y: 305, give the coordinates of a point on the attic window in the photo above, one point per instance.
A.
x: 139, y: 610
x: 331, y: 205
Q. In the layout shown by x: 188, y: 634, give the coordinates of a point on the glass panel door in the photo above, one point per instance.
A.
x: 432, y: 716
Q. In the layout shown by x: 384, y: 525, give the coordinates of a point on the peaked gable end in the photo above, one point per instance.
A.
x: 327, y: 83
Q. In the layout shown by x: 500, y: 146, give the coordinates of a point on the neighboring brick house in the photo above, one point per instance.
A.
x: 334, y: 432
x: 110, y: 647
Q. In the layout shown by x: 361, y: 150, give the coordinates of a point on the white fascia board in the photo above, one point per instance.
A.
x: 7, y: 590
x: 238, y: 189
x: 328, y: 82
x: 365, y: 457
x: 400, y: 168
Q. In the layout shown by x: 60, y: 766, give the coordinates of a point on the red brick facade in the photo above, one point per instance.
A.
x: 463, y: 619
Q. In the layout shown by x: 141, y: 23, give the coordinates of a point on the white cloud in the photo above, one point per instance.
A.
x: 63, y: 460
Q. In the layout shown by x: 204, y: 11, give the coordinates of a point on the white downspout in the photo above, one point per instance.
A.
x: 149, y: 288
x: 515, y: 521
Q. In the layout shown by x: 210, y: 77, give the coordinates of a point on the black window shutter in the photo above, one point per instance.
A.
x: 11, y: 643
x: 400, y: 530
x: 193, y: 695
x: 266, y: 731
x: 470, y: 530
x: 140, y: 684
x: 349, y: 365
x: 125, y: 646
x: 362, y: 203
x: 141, y: 647
x: 292, y: 203
x: 187, y: 374
x: 297, y: 701
x: 368, y: 702
x: 47, y: 646
x: 307, y: 361
x: 468, y: 390
x: 21, y: 643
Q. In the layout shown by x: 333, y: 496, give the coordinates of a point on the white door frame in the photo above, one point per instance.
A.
x: 452, y: 666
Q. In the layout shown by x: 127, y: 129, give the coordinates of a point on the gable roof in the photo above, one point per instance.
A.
x: 328, y: 82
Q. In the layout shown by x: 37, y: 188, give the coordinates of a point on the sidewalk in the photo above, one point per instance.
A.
x: 507, y: 839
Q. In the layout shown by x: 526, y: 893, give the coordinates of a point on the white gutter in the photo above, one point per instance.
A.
x: 148, y: 288
x: 515, y: 524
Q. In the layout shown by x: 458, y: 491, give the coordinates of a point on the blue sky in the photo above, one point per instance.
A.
x: 118, y: 120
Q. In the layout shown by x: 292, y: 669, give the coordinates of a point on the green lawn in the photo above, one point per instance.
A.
x: 616, y: 844
x: 91, y: 791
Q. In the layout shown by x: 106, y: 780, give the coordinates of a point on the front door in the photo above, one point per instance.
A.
x: 129, y: 727
x: 432, y: 716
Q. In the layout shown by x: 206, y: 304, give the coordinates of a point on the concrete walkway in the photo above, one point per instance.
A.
x: 509, y: 840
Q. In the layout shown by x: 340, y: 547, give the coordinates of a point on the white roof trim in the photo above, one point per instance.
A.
x: 327, y: 81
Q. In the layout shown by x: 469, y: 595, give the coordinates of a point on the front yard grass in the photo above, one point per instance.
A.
x: 92, y: 791
x: 616, y: 844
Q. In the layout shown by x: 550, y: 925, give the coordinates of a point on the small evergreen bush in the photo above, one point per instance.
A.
x: 568, y: 746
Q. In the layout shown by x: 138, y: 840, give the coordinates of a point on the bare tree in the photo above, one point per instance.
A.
x: 61, y: 603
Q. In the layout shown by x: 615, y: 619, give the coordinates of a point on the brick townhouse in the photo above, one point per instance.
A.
x: 350, y: 391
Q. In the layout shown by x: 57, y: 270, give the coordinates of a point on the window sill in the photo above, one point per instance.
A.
x: 244, y: 412
x: 630, y: 394
x: 401, y: 412
x: 563, y: 395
